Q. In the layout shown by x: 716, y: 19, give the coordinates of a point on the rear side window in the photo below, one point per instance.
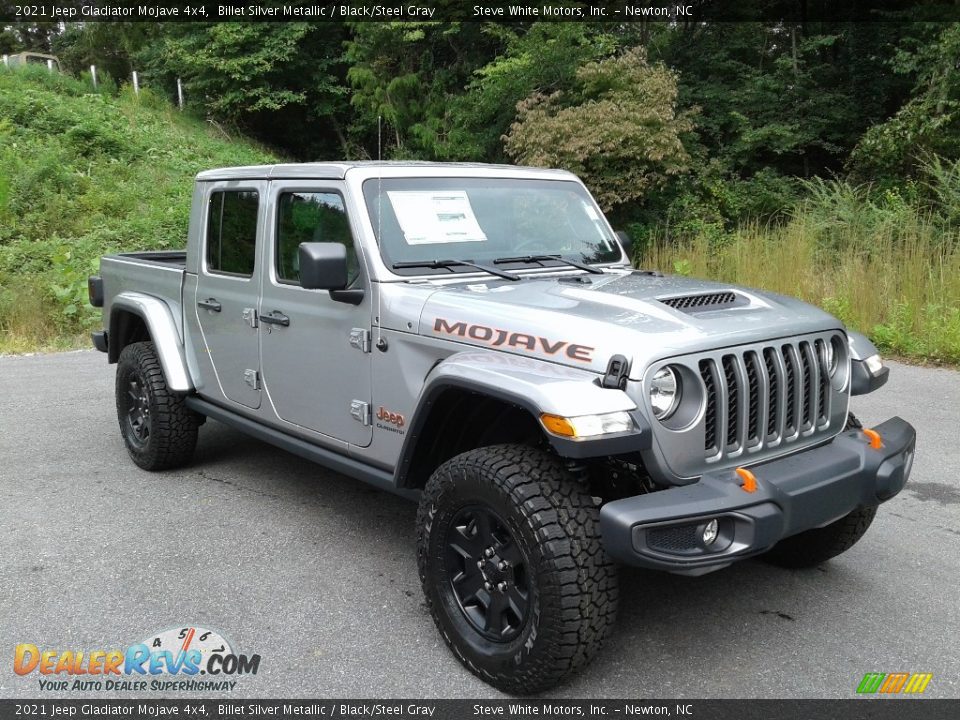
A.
x: 311, y: 217
x: 232, y: 232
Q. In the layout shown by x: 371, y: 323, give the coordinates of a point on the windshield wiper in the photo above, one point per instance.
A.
x: 541, y: 258
x: 455, y: 263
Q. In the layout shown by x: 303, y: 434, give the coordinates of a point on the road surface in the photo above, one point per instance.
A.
x: 316, y: 573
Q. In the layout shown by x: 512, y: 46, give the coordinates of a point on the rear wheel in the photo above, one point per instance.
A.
x: 159, y: 430
x: 513, y: 568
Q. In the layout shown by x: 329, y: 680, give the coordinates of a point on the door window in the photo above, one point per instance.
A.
x: 232, y: 232
x: 311, y: 217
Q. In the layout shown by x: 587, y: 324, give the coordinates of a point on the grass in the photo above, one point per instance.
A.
x: 83, y: 174
x: 895, y: 278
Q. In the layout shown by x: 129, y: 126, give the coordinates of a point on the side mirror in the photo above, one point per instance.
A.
x: 323, y: 266
x: 627, y: 242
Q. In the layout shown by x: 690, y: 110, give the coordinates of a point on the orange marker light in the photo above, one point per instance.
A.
x: 749, y: 483
x: 558, y: 425
x: 876, y: 442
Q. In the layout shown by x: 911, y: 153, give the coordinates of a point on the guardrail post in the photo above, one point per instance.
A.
x: 179, y: 94
x: 93, y: 75
x: 50, y: 65
x: 136, y: 83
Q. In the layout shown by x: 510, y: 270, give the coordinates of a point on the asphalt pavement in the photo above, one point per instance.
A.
x: 316, y: 573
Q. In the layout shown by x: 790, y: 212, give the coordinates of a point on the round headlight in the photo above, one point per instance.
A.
x: 832, y: 352
x: 830, y: 358
x: 664, y: 393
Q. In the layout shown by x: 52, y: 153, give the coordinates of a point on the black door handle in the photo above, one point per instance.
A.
x: 209, y: 304
x: 275, y: 318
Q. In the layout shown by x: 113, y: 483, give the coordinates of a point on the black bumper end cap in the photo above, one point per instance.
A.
x: 99, y: 340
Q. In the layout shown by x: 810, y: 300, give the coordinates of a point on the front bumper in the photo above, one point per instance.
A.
x: 809, y: 489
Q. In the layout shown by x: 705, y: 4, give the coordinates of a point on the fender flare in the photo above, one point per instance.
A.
x: 862, y: 381
x: 533, y: 385
x: 156, y: 315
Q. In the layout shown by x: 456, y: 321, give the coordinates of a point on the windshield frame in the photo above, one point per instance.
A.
x: 368, y: 191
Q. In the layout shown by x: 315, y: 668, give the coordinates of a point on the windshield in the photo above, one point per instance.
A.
x: 484, y: 219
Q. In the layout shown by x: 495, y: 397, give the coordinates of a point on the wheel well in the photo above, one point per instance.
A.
x: 461, y: 420
x: 125, y: 328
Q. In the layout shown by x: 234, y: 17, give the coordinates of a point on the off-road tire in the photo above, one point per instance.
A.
x: 813, y: 547
x: 171, y: 426
x: 552, y: 518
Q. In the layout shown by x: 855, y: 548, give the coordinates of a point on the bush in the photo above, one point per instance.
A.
x: 83, y: 174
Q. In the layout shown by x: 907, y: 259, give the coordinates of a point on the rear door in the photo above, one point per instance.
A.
x: 228, y: 285
x: 316, y: 352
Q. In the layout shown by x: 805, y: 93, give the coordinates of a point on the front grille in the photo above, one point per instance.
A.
x: 712, y: 301
x: 764, y: 396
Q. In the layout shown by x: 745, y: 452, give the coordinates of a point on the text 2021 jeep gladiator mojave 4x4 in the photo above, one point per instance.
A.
x: 474, y: 336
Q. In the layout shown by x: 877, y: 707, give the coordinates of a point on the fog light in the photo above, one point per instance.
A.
x: 710, y: 531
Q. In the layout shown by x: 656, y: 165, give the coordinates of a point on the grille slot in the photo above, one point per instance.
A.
x: 753, y: 385
x: 712, y: 301
x: 823, y: 389
x: 710, y: 418
x: 773, y: 375
x: 733, y: 402
x: 790, y: 386
x: 764, y: 396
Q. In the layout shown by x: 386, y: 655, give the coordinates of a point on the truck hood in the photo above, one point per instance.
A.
x: 582, y: 321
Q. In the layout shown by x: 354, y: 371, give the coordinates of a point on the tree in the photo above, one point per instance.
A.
x: 928, y: 123
x: 283, y: 82
x: 619, y: 129
x: 407, y: 73
x: 543, y: 58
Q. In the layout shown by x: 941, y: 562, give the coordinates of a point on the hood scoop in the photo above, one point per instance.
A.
x: 705, y: 301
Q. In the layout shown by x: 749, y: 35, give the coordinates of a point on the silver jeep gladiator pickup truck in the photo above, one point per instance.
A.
x: 475, y: 337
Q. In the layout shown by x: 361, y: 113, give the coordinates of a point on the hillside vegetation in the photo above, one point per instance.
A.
x: 83, y: 174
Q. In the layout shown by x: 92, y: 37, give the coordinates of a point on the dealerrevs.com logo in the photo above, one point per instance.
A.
x: 185, y: 658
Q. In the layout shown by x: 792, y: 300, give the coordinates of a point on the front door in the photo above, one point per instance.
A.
x: 316, y: 351
x: 228, y: 285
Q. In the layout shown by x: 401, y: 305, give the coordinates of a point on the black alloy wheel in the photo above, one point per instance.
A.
x: 488, y: 573
x: 138, y: 411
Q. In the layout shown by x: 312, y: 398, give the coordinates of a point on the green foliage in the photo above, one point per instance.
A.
x: 929, y: 123
x: 543, y: 59
x: 619, y: 129
x: 280, y: 81
x: 407, y: 73
x: 83, y: 174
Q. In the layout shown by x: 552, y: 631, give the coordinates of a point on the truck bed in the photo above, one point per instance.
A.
x: 172, y: 258
x: 158, y: 273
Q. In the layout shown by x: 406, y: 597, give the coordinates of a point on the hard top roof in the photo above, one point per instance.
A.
x: 338, y: 170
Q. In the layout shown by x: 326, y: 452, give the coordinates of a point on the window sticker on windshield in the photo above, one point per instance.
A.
x: 435, y: 217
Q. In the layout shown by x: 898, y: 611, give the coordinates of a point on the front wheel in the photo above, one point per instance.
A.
x: 818, y: 545
x: 159, y: 430
x: 513, y: 568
